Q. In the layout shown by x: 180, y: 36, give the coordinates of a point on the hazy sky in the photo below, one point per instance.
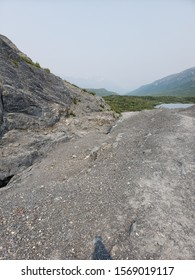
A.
x: 126, y: 43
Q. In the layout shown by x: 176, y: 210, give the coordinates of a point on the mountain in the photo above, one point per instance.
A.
x: 180, y: 84
x: 102, y: 91
x: 37, y: 111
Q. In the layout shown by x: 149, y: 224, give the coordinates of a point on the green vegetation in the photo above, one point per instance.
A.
x: 37, y: 65
x: 47, y: 70
x: 29, y: 61
x: 180, y: 84
x: 90, y: 92
x: 121, y: 104
x: 183, y: 91
x: 26, y: 59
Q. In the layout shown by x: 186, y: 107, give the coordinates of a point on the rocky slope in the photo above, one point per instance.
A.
x: 129, y: 192
x: 180, y: 84
x: 86, y: 186
x: 36, y: 109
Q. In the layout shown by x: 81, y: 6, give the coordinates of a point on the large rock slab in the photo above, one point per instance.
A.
x: 37, y: 110
x: 30, y: 96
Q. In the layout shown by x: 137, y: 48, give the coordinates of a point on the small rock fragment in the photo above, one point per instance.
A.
x: 94, y: 153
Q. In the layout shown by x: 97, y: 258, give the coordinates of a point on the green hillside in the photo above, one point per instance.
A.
x: 180, y: 84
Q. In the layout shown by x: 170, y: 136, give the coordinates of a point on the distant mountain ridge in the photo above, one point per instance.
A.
x: 180, y: 84
x: 102, y: 91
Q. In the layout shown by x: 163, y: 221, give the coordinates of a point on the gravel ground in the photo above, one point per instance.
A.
x: 131, y: 189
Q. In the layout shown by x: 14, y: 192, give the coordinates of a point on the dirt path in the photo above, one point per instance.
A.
x: 133, y: 187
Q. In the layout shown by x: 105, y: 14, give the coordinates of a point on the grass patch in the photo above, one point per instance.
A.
x: 37, y: 65
x: 47, y: 70
x: 29, y: 61
x: 90, y: 92
x: 121, y: 104
x: 26, y: 59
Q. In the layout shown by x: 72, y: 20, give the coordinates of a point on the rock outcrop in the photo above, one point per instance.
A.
x: 37, y: 110
x: 30, y: 96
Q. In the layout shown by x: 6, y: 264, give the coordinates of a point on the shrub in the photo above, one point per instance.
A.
x: 37, y: 65
x: 47, y: 70
x: 90, y: 92
x: 29, y: 61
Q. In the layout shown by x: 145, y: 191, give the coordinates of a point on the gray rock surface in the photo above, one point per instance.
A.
x: 37, y: 110
x: 31, y: 97
x: 136, y: 196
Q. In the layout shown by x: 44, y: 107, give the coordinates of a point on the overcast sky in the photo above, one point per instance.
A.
x: 110, y: 43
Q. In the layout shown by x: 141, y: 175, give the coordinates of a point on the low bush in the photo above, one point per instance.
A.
x: 29, y: 61
x: 47, y: 70
x: 90, y: 92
